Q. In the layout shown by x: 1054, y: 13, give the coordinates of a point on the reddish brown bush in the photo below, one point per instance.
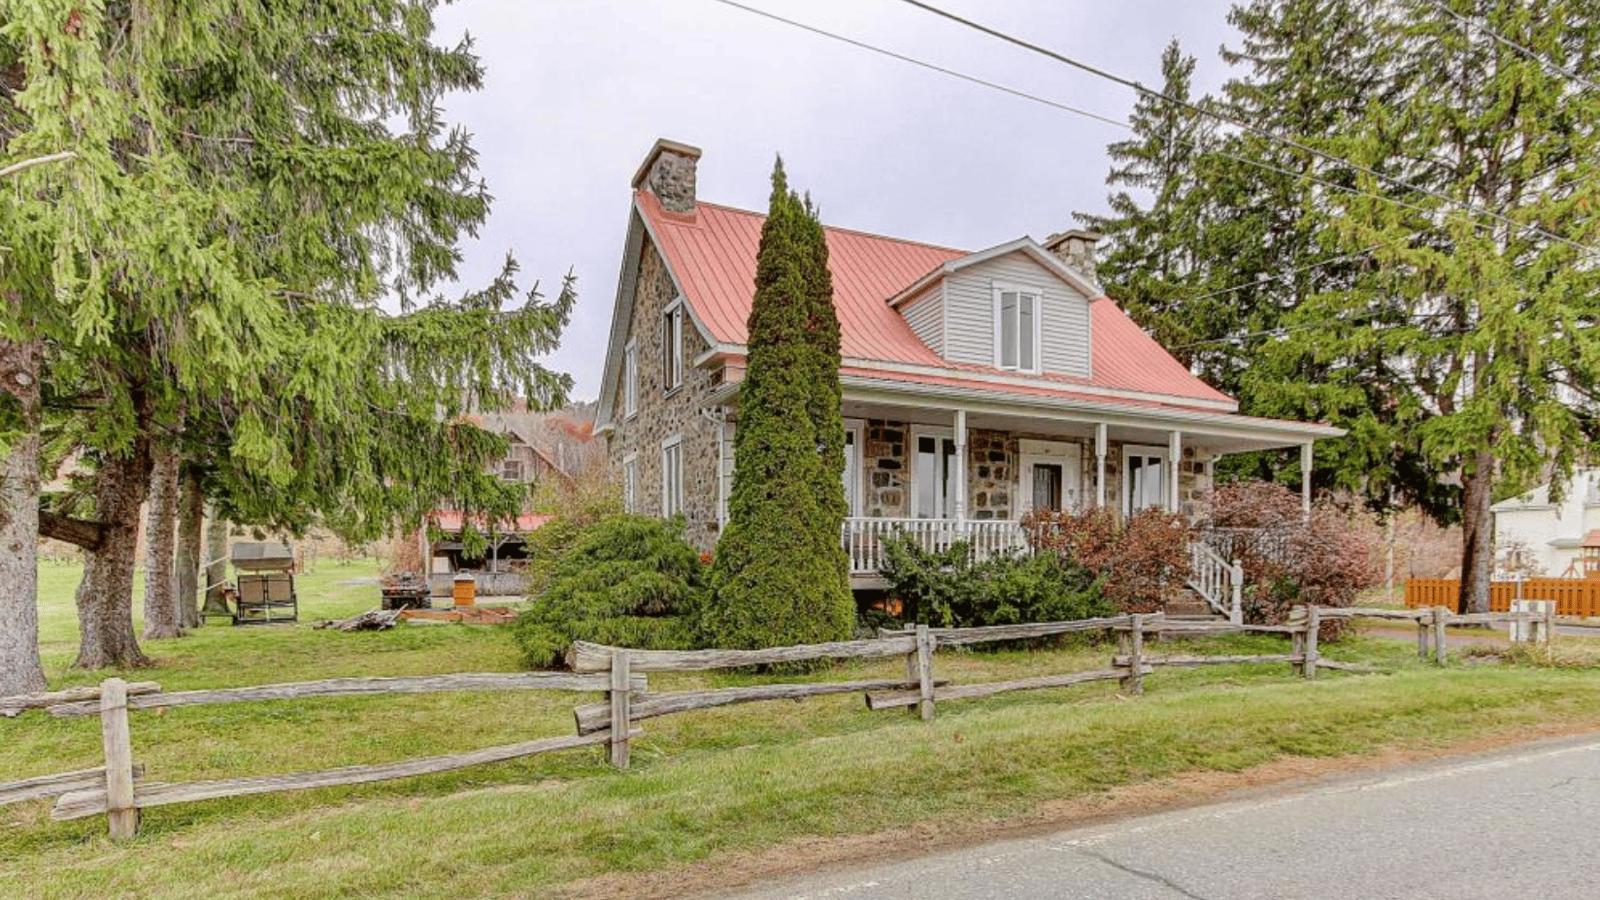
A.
x: 1287, y: 560
x: 1144, y: 560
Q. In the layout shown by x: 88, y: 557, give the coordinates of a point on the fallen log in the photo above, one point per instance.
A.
x: 371, y: 620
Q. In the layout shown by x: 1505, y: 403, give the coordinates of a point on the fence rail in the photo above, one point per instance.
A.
x: 1579, y: 597
x: 118, y: 791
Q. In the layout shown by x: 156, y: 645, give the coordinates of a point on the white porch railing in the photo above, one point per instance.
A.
x: 1217, y: 581
x: 863, y: 538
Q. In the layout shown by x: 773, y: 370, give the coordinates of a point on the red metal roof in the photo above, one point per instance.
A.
x: 712, y: 252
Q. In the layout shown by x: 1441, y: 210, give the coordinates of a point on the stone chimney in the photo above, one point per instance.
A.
x: 1076, y: 249
x: 668, y: 172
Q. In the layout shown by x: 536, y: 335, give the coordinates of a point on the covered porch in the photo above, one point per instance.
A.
x: 939, y: 472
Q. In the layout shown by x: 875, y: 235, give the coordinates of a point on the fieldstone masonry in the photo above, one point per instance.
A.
x: 664, y: 413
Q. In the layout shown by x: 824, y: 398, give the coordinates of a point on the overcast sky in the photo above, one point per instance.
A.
x: 576, y: 91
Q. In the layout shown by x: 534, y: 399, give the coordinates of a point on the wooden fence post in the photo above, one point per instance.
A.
x: 1547, y: 627
x: 1440, y: 616
x: 621, y: 707
x: 1422, y: 635
x: 925, y: 672
x: 1297, y: 639
x: 121, y: 813
x: 1134, y: 683
x: 1313, y: 627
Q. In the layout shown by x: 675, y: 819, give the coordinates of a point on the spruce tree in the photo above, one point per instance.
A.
x: 1152, y: 262
x: 1472, y: 335
x: 778, y: 575
x: 228, y: 216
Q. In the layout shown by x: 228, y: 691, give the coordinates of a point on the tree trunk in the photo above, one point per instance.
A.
x: 1477, y: 537
x: 105, y: 596
x: 20, y: 671
x: 160, y: 536
x: 186, y: 577
x: 216, y: 563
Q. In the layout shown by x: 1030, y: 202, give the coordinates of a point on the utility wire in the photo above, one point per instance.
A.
x: 1240, y: 123
x: 1255, y: 163
x: 1525, y: 51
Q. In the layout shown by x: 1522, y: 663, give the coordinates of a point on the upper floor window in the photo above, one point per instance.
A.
x: 1016, y: 329
x: 672, y: 347
x: 630, y: 379
x: 511, y: 470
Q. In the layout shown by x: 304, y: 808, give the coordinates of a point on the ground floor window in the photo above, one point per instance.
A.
x: 1144, y: 481
x: 934, y: 476
x: 672, y: 476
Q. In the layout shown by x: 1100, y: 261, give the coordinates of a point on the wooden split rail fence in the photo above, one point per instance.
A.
x: 118, y: 789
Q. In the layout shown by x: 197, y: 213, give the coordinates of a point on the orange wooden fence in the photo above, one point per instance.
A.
x: 1573, y: 596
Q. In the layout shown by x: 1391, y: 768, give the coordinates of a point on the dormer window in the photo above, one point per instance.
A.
x: 1016, y: 329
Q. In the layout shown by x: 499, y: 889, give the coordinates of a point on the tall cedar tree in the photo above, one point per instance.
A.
x: 1152, y: 263
x: 1470, y: 337
x: 232, y: 213
x: 779, y: 574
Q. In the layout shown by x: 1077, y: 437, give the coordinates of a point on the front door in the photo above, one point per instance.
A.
x: 1051, y: 474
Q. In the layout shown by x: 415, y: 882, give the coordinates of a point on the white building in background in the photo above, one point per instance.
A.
x: 1553, y: 532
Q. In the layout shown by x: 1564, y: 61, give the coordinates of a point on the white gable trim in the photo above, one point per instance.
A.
x: 1024, y: 244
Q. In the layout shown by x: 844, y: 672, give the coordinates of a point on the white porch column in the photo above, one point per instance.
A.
x: 1100, y: 466
x: 1305, y: 479
x: 961, y: 465
x: 1174, y: 467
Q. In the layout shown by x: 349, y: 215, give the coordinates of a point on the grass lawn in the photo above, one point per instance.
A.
x: 704, y: 786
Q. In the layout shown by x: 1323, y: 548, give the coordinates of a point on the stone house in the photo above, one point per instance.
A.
x: 977, y: 386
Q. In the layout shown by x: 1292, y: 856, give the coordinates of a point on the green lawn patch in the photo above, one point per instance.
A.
x: 703, y: 785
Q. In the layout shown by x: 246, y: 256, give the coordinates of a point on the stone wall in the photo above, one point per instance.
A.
x: 886, y: 490
x: 664, y: 413
x: 991, y: 474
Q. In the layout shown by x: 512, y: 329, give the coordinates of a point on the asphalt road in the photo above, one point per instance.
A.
x: 1522, y: 823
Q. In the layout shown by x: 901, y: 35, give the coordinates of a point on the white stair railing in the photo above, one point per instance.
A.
x: 1217, y: 581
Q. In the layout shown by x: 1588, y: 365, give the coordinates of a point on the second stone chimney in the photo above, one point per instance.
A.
x: 668, y: 172
x: 1076, y: 249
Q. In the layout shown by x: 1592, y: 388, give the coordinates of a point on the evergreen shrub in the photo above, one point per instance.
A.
x: 628, y: 580
x: 949, y: 589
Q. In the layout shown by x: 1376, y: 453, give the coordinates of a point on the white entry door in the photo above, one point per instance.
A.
x: 1050, y: 476
x: 933, y: 473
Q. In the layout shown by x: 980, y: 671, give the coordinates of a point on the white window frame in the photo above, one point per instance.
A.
x: 672, y: 347
x: 853, y: 429
x: 630, y: 483
x: 944, y: 507
x: 630, y: 380
x: 1037, y: 331
x: 672, y: 476
x: 1132, y: 450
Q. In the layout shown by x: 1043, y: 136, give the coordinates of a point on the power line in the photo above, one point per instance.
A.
x: 1255, y: 163
x: 1525, y: 51
x: 1238, y: 123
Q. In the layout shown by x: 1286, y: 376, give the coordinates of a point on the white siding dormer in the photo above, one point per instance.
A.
x: 925, y: 314
x: 972, y: 332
